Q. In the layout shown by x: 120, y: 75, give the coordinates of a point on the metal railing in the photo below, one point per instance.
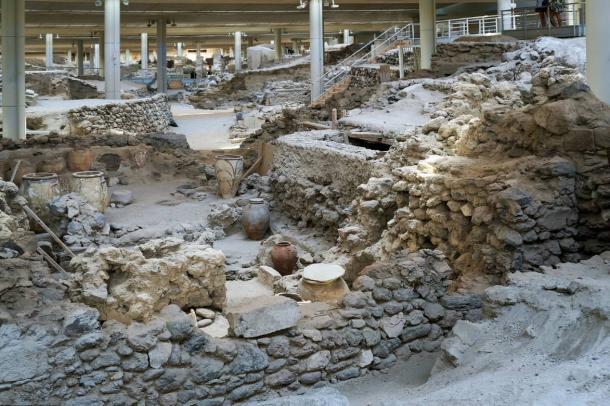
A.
x: 446, y: 31
x: 527, y: 23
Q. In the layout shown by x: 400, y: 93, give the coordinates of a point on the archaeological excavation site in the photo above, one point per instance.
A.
x: 305, y: 202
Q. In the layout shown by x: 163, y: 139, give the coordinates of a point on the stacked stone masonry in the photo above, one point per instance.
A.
x: 66, y: 356
x: 142, y: 116
x: 316, y: 175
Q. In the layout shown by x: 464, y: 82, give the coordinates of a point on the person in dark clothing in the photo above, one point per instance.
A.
x: 542, y: 7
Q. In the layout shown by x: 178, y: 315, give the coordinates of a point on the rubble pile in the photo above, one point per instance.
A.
x: 15, y: 237
x: 134, y: 284
x: 80, y: 224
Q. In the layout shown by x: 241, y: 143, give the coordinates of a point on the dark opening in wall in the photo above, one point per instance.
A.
x: 376, y: 144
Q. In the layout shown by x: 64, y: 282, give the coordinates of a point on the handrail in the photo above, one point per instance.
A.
x: 486, y: 25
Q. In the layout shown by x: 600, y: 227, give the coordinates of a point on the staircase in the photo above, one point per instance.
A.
x: 338, y: 78
x: 335, y: 79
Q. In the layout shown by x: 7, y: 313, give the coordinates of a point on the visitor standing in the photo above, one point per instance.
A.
x: 542, y: 7
x: 556, y: 7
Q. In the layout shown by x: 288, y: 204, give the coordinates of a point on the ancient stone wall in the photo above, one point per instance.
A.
x: 142, y: 116
x: 68, y: 357
x: 246, y: 86
x: 515, y: 176
x: 315, y: 176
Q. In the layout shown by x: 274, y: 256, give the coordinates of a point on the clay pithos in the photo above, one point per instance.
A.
x: 284, y: 257
x: 80, y: 160
x: 255, y: 219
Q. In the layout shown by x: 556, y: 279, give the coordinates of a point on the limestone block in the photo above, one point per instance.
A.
x: 263, y: 316
x: 134, y: 284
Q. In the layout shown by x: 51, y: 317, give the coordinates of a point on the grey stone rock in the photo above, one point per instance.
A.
x: 461, y: 302
x: 205, y: 369
x: 263, y: 316
x: 364, y: 283
x: 281, y: 378
x: 245, y: 391
x: 135, y: 362
x: 320, y: 397
x: 171, y: 380
x: 279, y: 347
x: 404, y: 295
x: 106, y: 359
x: 357, y: 300
x: 249, y: 359
x: 371, y: 337
x: 386, y: 347
x: 179, y: 324
x: 310, y: 378
x: 412, y: 333
x: 392, y: 308
x: 434, y: 311
x: 382, y: 294
x: 317, y: 361
x: 143, y: 337
x: 91, y: 340
x: 81, y: 320
x: 276, y: 364
x: 349, y: 373
x: 159, y: 355
x: 25, y: 360
x: 393, y: 325
x: 385, y: 363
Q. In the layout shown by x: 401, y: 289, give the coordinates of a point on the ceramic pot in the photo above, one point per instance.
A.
x: 80, y: 160
x: 284, y: 257
x: 39, y: 189
x: 229, y: 169
x: 332, y: 292
x: 91, y: 185
x: 255, y: 219
x: 55, y: 164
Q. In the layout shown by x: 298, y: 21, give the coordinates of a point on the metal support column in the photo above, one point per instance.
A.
x: 316, y: 38
x: 13, y: 70
x: 144, y: 50
x: 49, y: 51
x: 80, y: 56
x: 112, y: 48
x: 161, y: 55
x: 237, y: 51
x: 598, y: 51
x: 427, y: 31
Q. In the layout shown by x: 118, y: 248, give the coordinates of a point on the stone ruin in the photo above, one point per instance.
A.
x: 465, y: 237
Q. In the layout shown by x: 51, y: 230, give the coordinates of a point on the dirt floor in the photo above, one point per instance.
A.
x: 387, y: 389
x: 204, y: 129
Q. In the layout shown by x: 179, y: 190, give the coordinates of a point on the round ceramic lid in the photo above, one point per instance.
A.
x: 323, y: 272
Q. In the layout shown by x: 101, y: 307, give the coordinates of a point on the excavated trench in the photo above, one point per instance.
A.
x: 468, y: 260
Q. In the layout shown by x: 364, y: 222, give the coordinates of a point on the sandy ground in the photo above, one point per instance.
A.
x: 386, y: 389
x: 59, y: 105
x: 204, y: 129
x: 147, y: 211
x: 125, y: 85
x: 410, y: 112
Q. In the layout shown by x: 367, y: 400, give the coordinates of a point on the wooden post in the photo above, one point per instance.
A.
x: 33, y: 215
x: 334, y: 123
